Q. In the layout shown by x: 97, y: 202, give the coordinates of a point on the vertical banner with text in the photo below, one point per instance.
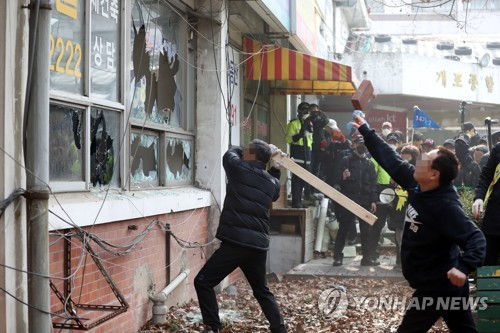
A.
x: 234, y: 88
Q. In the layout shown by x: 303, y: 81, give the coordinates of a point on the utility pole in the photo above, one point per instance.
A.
x: 37, y: 165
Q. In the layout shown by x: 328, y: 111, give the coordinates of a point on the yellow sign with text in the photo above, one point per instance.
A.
x: 68, y: 8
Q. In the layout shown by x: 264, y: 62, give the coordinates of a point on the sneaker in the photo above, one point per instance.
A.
x: 208, y: 329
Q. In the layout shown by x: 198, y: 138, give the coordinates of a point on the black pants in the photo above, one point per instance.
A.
x: 299, y: 185
x: 253, y: 264
x: 346, y: 221
x: 418, y: 320
x: 492, y: 250
x: 383, y: 211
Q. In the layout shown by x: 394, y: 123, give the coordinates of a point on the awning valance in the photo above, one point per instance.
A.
x: 294, y: 73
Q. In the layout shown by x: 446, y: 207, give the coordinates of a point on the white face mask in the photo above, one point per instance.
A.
x: 394, y: 147
x: 386, y: 131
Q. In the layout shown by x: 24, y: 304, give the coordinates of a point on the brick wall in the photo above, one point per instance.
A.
x: 144, y: 271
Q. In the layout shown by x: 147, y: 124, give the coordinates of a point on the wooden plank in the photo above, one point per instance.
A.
x: 320, y: 185
x: 487, y: 326
x: 488, y: 284
x: 488, y: 271
x: 493, y: 296
x: 491, y: 312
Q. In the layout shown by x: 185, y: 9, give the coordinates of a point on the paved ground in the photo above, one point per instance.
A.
x: 351, y: 268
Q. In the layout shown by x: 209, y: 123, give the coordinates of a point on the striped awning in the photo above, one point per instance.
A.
x: 294, y: 73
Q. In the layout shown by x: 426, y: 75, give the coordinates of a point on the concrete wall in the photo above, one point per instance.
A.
x: 13, y: 70
x: 212, y: 132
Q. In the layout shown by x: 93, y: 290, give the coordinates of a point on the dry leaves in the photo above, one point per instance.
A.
x: 298, y: 300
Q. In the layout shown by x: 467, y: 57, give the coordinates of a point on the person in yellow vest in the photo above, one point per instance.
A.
x: 299, y: 137
x: 487, y: 195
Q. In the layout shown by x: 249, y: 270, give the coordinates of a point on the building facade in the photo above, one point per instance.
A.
x: 144, y: 97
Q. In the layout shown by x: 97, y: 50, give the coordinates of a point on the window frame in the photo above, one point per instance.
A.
x: 85, y: 101
x: 187, y: 87
x: 86, y: 185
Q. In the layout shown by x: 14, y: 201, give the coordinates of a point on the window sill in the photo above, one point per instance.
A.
x: 83, y: 208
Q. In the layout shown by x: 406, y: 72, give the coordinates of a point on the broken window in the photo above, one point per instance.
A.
x: 156, y: 55
x: 144, y: 159
x: 104, y: 148
x: 67, y: 146
x: 179, y: 159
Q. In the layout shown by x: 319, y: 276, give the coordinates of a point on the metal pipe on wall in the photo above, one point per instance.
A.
x: 37, y: 165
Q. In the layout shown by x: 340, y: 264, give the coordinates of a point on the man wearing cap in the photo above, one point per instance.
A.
x: 335, y: 147
x: 318, y: 121
x: 428, y: 145
x: 299, y: 137
x: 468, y: 174
x: 449, y: 144
x: 244, y: 232
x: 386, y: 129
x: 357, y: 180
x: 470, y: 130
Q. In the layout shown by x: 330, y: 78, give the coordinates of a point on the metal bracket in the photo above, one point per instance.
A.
x: 70, y: 307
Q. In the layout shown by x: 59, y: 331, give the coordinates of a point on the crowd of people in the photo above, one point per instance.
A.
x: 435, y: 254
x: 343, y: 162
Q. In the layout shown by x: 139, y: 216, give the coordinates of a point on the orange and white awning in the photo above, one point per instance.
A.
x: 294, y: 73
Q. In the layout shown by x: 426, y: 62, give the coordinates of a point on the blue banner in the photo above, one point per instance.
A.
x: 422, y: 120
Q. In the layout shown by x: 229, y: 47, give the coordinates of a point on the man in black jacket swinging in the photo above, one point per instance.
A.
x: 441, y: 245
x: 244, y: 232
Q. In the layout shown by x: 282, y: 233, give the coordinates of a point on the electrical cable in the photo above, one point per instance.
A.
x: 37, y: 309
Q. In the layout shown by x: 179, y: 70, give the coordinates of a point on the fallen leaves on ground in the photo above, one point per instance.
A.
x: 370, y: 308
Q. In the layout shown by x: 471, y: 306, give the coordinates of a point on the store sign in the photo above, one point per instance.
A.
x: 377, y: 117
x: 448, y: 79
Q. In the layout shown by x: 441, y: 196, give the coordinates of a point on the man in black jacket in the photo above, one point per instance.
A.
x: 244, y: 232
x: 441, y: 245
x: 357, y: 180
x: 488, y: 191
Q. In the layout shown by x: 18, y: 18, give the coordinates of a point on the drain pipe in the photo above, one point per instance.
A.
x: 160, y: 300
x: 321, y: 225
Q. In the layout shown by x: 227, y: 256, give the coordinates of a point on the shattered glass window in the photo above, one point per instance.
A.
x: 67, y: 147
x: 179, y: 157
x: 144, y: 159
x: 105, y: 148
x: 155, y: 80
